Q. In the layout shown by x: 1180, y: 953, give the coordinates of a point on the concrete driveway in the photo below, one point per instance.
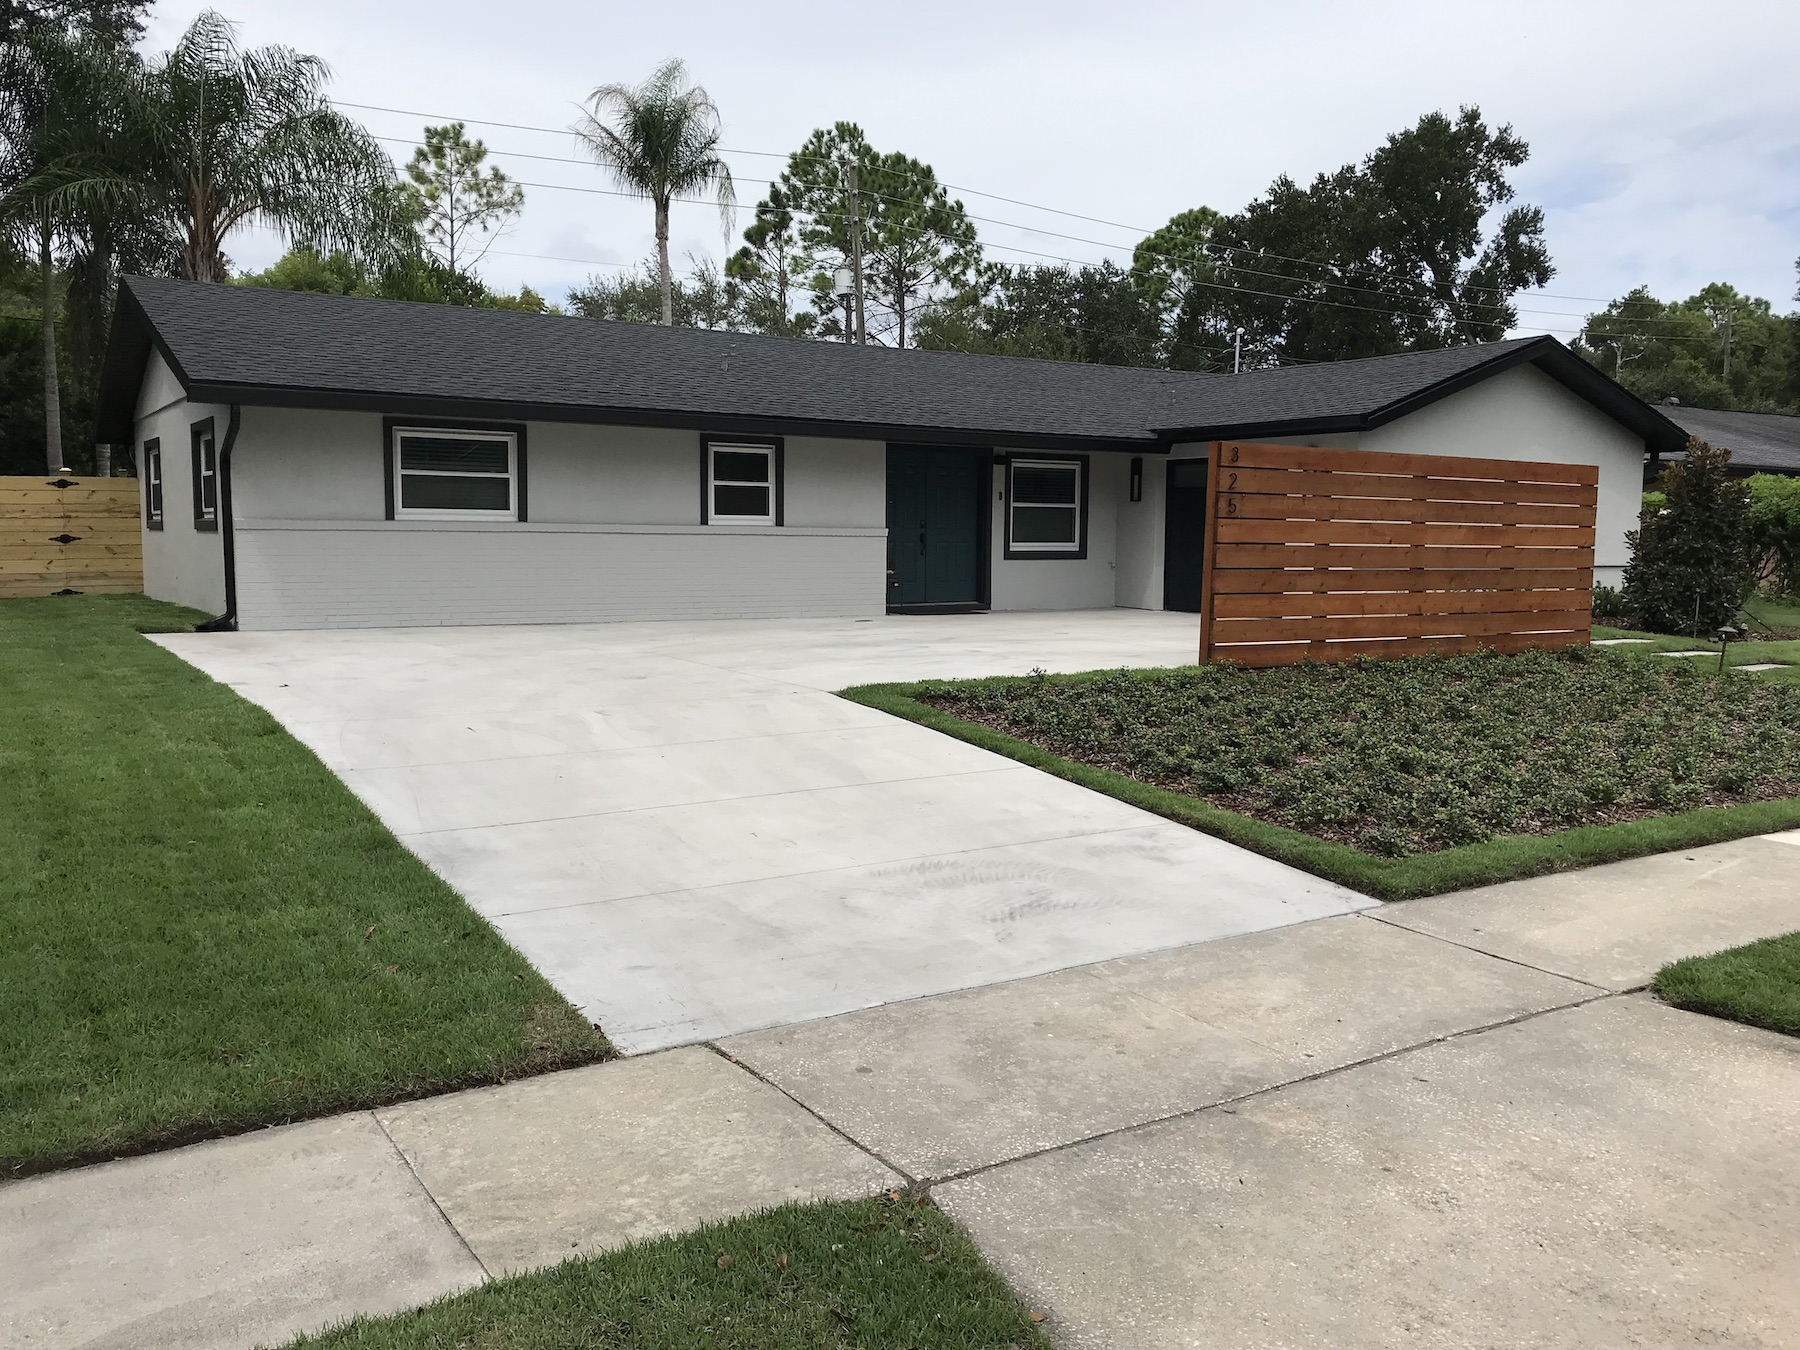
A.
x: 692, y: 837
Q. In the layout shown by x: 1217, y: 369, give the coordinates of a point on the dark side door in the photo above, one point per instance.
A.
x: 935, y: 500
x: 1184, y: 534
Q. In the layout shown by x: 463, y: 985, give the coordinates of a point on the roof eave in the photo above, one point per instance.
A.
x: 284, y: 396
x: 1546, y: 353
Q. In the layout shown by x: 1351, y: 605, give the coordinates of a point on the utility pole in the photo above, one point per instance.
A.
x: 856, y: 267
x: 1725, y: 375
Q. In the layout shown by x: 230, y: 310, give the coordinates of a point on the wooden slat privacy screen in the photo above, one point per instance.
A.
x: 1321, y: 555
x: 83, y: 536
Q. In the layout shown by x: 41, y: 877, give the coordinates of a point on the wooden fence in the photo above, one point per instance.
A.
x: 66, y: 534
x: 1320, y: 555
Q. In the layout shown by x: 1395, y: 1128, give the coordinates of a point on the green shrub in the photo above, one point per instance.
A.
x: 1609, y: 604
x: 1690, y: 566
x: 1775, y: 530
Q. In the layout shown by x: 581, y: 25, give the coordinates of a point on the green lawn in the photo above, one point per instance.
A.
x: 1777, y: 622
x: 204, y: 930
x: 875, y: 1273
x: 1758, y: 983
x: 1409, y: 777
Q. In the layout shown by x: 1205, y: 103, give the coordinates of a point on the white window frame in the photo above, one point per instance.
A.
x: 1074, y: 546
x: 404, y: 512
x: 714, y: 482
x: 153, y: 483
x: 205, y: 459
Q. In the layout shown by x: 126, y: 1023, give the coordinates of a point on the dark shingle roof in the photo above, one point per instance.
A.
x: 259, y: 346
x: 1765, y: 441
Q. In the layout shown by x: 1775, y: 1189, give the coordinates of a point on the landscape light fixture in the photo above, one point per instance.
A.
x: 843, y: 286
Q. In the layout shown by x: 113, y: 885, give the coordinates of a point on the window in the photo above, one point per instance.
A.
x: 1045, y: 501
x: 206, y: 476
x: 743, y: 483
x: 153, y: 480
x: 450, y: 474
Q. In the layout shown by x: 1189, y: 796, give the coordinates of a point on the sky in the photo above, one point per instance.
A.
x: 1664, y: 134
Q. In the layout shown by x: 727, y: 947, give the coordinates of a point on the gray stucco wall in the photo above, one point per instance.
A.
x: 181, y: 564
x: 1065, y: 583
x: 1140, y: 536
x: 614, y: 532
x: 1524, y: 414
x: 1519, y: 414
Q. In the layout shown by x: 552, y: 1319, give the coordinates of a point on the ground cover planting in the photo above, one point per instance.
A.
x: 893, y: 1271
x: 1410, y: 776
x: 205, y: 931
x: 1758, y: 983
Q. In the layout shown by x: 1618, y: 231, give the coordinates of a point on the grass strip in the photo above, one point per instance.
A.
x: 205, y: 931
x: 1506, y: 858
x: 1758, y: 983
x: 887, y: 1272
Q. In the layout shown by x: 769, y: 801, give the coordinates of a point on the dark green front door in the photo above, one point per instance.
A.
x: 935, y: 499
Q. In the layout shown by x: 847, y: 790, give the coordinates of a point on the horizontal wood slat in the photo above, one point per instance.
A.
x: 1293, y: 653
x: 1267, y: 506
x: 99, y: 516
x: 1392, y: 602
x: 1255, y: 456
x: 1406, y: 488
x: 1265, y: 581
x: 1397, y: 555
x: 1323, y: 629
x: 1318, y: 554
x: 1501, y: 533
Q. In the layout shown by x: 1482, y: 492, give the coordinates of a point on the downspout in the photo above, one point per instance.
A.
x: 228, y: 621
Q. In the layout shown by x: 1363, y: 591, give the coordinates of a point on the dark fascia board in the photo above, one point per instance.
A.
x: 209, y: 391
x: 1547, y: 354
x: 128, y: 346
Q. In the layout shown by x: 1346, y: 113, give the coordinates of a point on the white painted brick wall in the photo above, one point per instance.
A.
x: 349, y: 574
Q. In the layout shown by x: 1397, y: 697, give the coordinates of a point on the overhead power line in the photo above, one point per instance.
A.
x: 1035, y: 206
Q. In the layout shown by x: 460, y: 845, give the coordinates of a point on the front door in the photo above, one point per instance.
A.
x: 1184, y: 535
x: 934, y: 503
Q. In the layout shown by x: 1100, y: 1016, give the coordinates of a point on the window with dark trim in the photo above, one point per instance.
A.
x: 743, y: 482
x: 1046, y: 507
x: 205, y: 476
x: 455, y: 473
x: 153, y: 483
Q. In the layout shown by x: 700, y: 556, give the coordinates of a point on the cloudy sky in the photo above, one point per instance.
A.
x: 1665, y: 134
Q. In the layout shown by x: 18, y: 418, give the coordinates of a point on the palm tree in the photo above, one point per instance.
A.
x: 660, y: 139
x: 57, y: 184
x: 231, y: 137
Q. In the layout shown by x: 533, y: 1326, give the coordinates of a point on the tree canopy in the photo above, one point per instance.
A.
x: 1716, y: 349
x: 660, y: 139
x: 918, y: 245
x: 1387, y: 255
x: 459, y: 208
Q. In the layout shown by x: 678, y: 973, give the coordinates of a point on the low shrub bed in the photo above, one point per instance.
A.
x: 1499, y: 765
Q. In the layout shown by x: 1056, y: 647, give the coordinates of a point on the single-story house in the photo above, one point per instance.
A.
x: 323, y: 461
x: 1759, y: 442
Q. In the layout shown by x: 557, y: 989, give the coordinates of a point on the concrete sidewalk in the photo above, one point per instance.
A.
x: 1446, y: 1122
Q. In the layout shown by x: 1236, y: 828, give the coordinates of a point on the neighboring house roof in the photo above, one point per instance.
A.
x: 242, y: 344
x: 1765, y: 441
